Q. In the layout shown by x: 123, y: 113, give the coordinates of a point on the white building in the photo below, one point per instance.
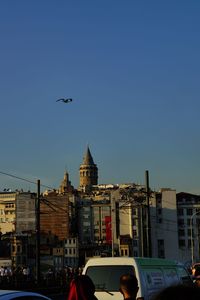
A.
x: 71, y: 252
x: 188, y: 210
x: 133, y: 225
x: 164, y: 227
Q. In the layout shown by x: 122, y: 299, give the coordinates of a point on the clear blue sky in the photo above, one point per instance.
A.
x: 133, y: 70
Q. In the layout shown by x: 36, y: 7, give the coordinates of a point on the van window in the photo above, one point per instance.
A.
x: 184, y: 275
x: 107, y: 277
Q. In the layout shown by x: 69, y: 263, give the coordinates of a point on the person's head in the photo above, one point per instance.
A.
x: 128, y: 285
x: 197, y: 281
x: 81, y: 288
x: 182, y: 292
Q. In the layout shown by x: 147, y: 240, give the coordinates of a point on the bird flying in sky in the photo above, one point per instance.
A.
x: 65, y: 100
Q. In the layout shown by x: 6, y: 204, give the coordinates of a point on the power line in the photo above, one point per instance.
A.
x: 53, y: 205
x: 24, y: 179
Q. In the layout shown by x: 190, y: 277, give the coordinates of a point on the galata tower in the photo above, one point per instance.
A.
x: 88, y: 172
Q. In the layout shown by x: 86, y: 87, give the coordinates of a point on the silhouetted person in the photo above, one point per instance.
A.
x: 182, y: 292
x: 82, y: 288
x: 129, y: 286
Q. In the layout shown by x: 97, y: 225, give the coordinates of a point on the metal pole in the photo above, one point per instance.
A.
x: 148, y: 220
x: 191, y: 239
x: 38, y: 233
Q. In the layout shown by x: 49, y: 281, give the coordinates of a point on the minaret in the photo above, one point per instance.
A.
x: 88, y: 172
x: 65, y: 184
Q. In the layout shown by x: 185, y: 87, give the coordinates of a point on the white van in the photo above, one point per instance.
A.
x: 153, y: 274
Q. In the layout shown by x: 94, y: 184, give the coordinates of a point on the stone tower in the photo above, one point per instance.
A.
x: 65, y: 185
x: 88, y: 172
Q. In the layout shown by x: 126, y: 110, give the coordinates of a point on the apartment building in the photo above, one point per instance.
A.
x: 25, y: 212
x: 188, y: 212
x: 7, y: 211
x: 164, y: 226
x: 71, y: 252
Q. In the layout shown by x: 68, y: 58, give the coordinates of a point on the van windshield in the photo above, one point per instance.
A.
x: 106, y: 278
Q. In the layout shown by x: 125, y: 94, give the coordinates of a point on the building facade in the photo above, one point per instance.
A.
x: 164, y: 227
x: 188, y: 213
x: 7, y: 212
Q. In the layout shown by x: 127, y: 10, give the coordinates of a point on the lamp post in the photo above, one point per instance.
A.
x: 148, y: 216
x: 191, y: 234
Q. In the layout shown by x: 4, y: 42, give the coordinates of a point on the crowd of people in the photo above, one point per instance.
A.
x: 23, y: 277
x: 14, y: 276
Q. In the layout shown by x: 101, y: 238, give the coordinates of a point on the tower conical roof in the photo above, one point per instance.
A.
x: 88, y: 160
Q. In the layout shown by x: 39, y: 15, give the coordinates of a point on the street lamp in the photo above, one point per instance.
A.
x: 191, y: 234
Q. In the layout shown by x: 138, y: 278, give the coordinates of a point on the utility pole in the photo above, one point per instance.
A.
x: 142, y: 230
x: 148, y: 217
x: 37, y: 212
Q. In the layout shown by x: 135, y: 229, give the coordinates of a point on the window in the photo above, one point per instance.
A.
x: 86, y: 223
x: 189, y: 211
x: 134, y: 232
x: 134, y: 222
x: 181, y: 243
x: 107, y: 277
x: 158, y: 201
x: 190, y: 232
x: 159, y: 220
x: 181, y: 232
x: 86, y: 209
x: 161, y: 248
x: 198, y: 222
x: 134, y: 212
x: 180, y: 212
x: 181, y: 222
x: 135, y: 243
x: 160, y: 243
x: 161, y: 253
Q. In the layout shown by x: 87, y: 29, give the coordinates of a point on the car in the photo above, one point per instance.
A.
x: 21, y: 295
